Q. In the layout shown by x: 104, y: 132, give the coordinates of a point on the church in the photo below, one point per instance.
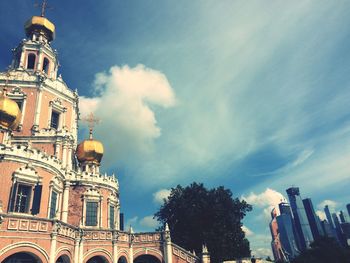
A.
x: 55, y: 204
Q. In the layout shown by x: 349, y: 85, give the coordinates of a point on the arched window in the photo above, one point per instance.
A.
x: 46, y: 65
x: 31, y: 61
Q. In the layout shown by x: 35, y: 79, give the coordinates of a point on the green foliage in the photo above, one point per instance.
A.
x: 198, y: 216
x: 324, y: 250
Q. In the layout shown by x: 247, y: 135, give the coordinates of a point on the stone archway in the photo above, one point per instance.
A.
x: 22, y: 257
x: 63, y: 259
x: 146, y: 259
x: 97, y: 259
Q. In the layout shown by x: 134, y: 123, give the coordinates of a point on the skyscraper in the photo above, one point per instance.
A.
x: 287, y: 231
x: 300, y: 218
x: 328, y: 215
x: 348, y: 208
x: 276, y: 245
x: 338, y: 230
x: 342, y: 217
x: 314, y: 221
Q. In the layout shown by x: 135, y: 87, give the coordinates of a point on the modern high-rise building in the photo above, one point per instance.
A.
x: 348, y: 208
x: 328, y: 216
x: 276, y: 245
x: 287, y: 231
x: 342, y: 217
x: 333, y: 232
x: 300, y: 218
x: 327, y: 229
x: 314, y: 221
x: 339, y: 230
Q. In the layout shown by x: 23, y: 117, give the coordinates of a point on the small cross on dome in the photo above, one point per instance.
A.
x: 92, y: 121
x: 44, y: 6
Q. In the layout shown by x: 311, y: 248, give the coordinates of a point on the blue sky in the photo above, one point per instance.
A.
x: 252, y: 95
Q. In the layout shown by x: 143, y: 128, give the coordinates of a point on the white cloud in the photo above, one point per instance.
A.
x: 321, y: 214
x: 125, y: 100
x: 247, y: 231
x: 149, y: 222
x: 159, y: 196
x: 268, y: 197
x: 266, y: 200
x: 331, y: 204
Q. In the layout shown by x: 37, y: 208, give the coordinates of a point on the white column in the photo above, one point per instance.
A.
x: 131, y: 254
x: 40, y: 59
x: 38, y: 108
x: 21, y: 61
x: 69, y: 160
x: 76, y: 250
x: 53, y: 247
x: 167, y: 243
x: 115, y: 249
x: 58, y: 149
x: 64, y: 155
x: 81, y: 250
x: 65, y: 202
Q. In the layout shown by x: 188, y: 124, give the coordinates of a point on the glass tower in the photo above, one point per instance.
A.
x: 300, y: 218
x: 314, y: 221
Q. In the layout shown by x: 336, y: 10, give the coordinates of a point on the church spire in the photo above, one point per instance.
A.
x: 43, y: 8
x: 39, y: 27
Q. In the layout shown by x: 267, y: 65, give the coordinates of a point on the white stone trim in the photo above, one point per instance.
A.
x: 93, y: 195
x: 27, y: 175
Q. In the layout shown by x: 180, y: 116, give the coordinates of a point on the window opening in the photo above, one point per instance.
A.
x: 46, y: 65
x: 91, y: 213
x: 53, y: 205
x: 55, y: 117
x: 20, y: 104
x: 22, y: 198
x: 31, y: 61
x: 111, y: 217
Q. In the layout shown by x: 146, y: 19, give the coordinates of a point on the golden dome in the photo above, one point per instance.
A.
x: 90, y: 151
x: 10, y: 114
x: 40, y: 24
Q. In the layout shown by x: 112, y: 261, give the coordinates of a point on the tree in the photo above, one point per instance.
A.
x: 198, y: 216
x: 324, y: 250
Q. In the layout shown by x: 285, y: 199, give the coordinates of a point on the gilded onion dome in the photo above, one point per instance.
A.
x: 90, y: 151
x: 41, y: 25
x: 10, y: 114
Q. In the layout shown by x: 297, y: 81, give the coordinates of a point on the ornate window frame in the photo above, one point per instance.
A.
x: 56, y: 105
x: 26, y: 176
x: 56, y: 185
x: 92, y: 195
x: 113, y: 201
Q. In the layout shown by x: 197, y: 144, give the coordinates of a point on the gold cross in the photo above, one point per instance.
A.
x: 44, y: 6
x: 91, y: 120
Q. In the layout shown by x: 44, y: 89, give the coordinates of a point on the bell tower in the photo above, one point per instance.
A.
x: 50, y: 123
